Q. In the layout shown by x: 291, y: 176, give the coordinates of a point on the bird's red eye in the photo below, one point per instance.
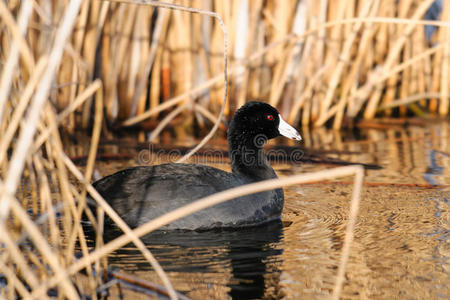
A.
x: 270, y: 117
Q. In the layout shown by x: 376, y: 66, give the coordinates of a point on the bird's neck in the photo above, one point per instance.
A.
x: 248, y: 158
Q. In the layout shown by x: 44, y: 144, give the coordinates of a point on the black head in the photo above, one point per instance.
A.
x: 258, y: 120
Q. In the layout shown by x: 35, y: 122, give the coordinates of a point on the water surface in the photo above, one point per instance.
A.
x: 401, y: 248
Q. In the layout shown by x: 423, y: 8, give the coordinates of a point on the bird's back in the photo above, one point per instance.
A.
x: 141, y: 194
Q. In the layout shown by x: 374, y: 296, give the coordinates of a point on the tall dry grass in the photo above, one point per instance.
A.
x: 71, y: 64
x: 317, y: 61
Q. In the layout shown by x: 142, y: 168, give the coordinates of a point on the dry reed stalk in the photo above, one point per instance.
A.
x: 106, y: 67
x: 165, y: 75
x: 279, y: 76
x: 46, y: 201
x: 343, y: 61
x: 215, y: 61
x: 42, y: 246
x: 445, y: 100
x: 15, y: 282
x: 395, y: 51
x: 167, y: 119
x: 367, y: 61
x: 351, y: 10
x: 377, y: 78
x: 299, y: 88
x: 155, y: 81
x: 97, y: 15
x: 306, y: 94
x: 152, y: 62
x: 24, y: 142
x: 292, y: 72
x: 282, y: 21
x: 419, y: 70
x: 148, y: 54
x: 78, y: 231
x: 245, y: 31
x: 20, y: 108
x: 409, y: 62
x: 25, y: 138
x: 25, y: 52
x: 306, y: 114
x: 200, y: 63
x: 137, y: 54
x: 36, y: 262
x: 387, y: 9
x: 391, y: 83
x: 336, y: 11
x: 179, y: 48
x: 316, y: 50
x: 406, y: 74
x: 351, y: 81
x: 403, y: 8
x: 283, y: 73
x: 376, y: 20
x: 321, y: 18
x: 34, y: 188
x: 255, y: 80
x: 113, y: 50
x: 231, y: 17
x: 435, y: 80
x: 206, y: 113
x: 13, y: 55
x: 18, y: 258
x: 312, y: 106
x: 99, y: 240
x: 302, y: 48
x: 305, y: 69
x: 76, y: 75
x: 428, y: 74
x: 408, y: 100
x: 123, y: 59
x: 70, y: 220
x: 405, y: 77
x: 33, y: 35
x: 65, y: 94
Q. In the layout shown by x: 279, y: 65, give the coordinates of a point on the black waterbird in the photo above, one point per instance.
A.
x: 140, y: 194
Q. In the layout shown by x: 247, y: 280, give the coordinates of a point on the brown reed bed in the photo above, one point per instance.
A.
x: 84, y: 64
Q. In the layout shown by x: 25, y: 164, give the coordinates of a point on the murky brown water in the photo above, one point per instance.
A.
x: 401, y: 248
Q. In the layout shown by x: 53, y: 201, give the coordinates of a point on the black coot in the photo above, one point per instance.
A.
x: 141, y: 194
